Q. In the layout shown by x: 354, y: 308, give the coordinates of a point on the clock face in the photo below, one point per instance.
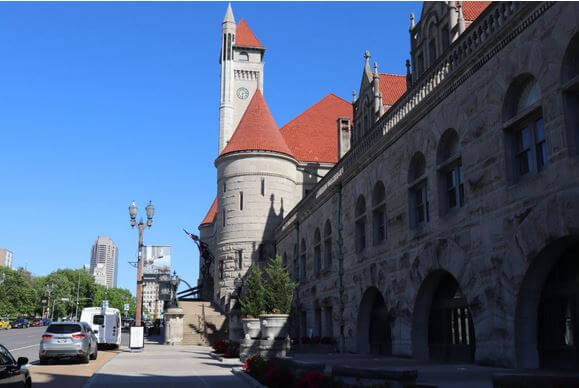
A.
x: 242, y: 93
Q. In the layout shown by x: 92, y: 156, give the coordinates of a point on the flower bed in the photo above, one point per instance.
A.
x: 274, y: 373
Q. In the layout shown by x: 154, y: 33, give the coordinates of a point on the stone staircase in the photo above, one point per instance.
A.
x: 202, y: 323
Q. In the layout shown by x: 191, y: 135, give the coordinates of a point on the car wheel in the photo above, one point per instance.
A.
x: 85, y: 359
x: 94, y: 355
x: 43, y: 361
x: 28, y: 383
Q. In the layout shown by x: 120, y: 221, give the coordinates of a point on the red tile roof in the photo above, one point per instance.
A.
x: 472, y: 9
x: 392, y: 87
x: 245, y: 37
x: 257, y: 130
x: 313, y: 135
x: 210, y: 216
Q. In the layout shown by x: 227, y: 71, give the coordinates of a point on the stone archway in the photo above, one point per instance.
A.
x: 547, y: 317
x: 443, y: 329
x: 374, y: 335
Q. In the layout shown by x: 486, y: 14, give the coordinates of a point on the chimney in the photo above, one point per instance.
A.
x: 344, y: 136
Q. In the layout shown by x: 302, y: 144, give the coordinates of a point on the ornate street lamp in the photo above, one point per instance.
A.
x: 150, y: 210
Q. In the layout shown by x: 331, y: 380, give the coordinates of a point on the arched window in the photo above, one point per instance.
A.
x: 303, y: 262
x: 243, y: 56
x: 296, y: 264
x: 360, y: 219
x: 327, y: 246
x: 450, y: 172
x: 378, y: 214
x: 318, y: 251
x: 570, y: 83
x: 417, y: 191
x: 432, y: 44
x: 524, y: 127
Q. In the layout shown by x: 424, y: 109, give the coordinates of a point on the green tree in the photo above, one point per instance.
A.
x: 18, y: 296
x: 117, y: 298
x: 278, y: 287
x: 252, y: 301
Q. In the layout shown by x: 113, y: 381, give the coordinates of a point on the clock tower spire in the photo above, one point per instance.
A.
x: 241, y: 61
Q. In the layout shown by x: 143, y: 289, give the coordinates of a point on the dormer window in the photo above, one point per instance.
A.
x: 243, y: 56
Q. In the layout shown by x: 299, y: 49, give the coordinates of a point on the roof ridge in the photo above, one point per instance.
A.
x: 392, y: 74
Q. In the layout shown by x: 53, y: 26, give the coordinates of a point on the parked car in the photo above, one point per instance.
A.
x: 20, y: 323
x: 13, y: 373
x: 4, y: 324
x: 46, y: 322
x: 68, y: 340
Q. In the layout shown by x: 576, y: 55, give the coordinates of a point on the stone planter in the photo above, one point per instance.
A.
x: 274, y: 326
x: 251, y: 327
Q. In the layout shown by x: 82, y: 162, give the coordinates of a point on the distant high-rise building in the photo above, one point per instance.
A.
x: 6, y: 258
x: 157, y: 260
x: 103, y: 262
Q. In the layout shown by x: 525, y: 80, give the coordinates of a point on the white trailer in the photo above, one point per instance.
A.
x: 106, y: 324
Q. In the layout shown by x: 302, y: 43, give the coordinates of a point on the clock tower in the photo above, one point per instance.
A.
x: 241, y: 61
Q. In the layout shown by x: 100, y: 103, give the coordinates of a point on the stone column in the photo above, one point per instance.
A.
x: 173, y: 326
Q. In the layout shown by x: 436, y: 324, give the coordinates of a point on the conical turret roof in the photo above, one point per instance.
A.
x: 245, y: 37
x: 257, y: 130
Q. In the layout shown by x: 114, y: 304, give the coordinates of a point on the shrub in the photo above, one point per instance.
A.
x: 252, y: 301
x: 232, y: 350
x: 278, y: 288
x: 317, y: 380
x: 256, y: 366
x: 278, y: 375
x: 220, y: 346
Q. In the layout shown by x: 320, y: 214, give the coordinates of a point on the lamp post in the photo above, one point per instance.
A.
x: 141, y: 227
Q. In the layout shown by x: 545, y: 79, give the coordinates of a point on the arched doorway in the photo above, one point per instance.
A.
x: 558, y: 318
x: 547, y: 317
x: 450, y: 327
x: 374, y: 331
x: 442, y: 329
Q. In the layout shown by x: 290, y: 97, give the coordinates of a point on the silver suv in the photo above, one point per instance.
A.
x: 68, y: 340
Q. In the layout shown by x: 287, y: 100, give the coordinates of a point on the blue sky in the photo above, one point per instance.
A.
x: 103, y: 103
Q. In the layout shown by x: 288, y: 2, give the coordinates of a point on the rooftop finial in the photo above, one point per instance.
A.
x: 367, y: 57
x: 411, y: 21
x: 460, y: 18
x: 229, y: 15
x: 354, y: 96
x: 375, y: 68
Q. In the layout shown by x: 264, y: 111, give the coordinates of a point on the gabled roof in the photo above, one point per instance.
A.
x: 392, y: 87
x: 257, y: 130
x: 472, y: 9
x: 245, y: 37
x: 313, y: 135
x: 210, y: 216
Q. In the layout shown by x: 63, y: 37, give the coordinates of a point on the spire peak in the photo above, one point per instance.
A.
x: 229, y: 15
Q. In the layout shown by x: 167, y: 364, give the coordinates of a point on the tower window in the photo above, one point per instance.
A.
x: 243, y: 56
x: 241, y: 200
x: 224, y: 187
x: 240, y: 259
x: 262, y: 186
x: 223, y: 217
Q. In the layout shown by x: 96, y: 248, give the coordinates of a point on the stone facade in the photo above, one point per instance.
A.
x: 443, y: 194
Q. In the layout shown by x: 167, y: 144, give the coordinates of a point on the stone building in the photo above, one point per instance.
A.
x: 450, y: 230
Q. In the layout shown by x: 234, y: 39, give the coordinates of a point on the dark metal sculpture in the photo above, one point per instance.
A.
x: 206, y: 282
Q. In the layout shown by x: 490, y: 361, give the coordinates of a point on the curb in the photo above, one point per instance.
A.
x: 90, y: 380
x: 247, y: 378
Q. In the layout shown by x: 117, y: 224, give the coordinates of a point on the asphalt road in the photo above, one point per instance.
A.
x: 22, y: 342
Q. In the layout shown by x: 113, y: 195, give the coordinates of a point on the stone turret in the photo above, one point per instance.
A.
x: 256, y: 187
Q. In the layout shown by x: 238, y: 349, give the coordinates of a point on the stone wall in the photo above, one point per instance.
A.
x: 488, y: 244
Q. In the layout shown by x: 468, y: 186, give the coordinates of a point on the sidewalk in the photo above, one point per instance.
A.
x: 165, y: 366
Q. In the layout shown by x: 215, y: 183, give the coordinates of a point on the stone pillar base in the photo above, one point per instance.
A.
x: 173, y: 326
